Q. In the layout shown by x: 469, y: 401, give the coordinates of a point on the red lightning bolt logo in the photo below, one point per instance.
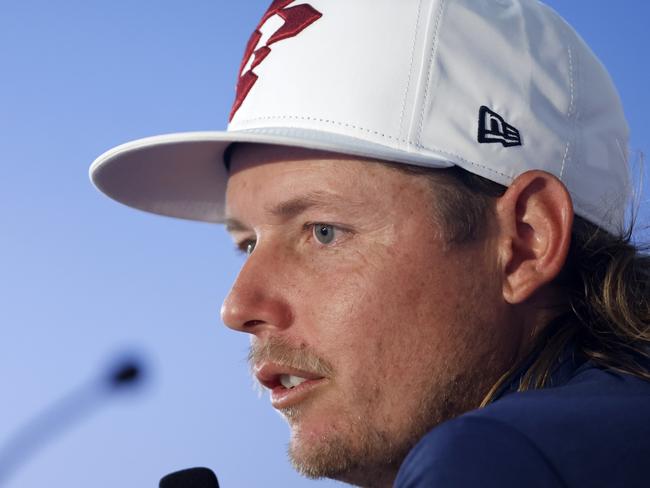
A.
x: 296, y: 19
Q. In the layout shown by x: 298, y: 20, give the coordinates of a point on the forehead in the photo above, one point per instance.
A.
x: 265, y: 175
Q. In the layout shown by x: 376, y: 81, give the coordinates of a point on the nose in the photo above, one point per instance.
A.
x: 258, y: 301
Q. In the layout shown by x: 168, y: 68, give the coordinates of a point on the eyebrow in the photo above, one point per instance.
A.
x: 235, y: 225
x: 295, y: 206
x: 289, y: 209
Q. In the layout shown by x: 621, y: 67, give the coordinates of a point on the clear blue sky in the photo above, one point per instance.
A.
x: 83, y: 278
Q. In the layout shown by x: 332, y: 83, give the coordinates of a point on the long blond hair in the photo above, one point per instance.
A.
x: 606, y: 279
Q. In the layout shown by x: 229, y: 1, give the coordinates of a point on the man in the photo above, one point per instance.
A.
x: 439, y: 287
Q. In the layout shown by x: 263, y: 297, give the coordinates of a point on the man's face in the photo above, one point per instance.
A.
x: 350, y: 285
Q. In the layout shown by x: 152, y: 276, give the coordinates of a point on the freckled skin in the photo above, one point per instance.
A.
x: 416, y: 332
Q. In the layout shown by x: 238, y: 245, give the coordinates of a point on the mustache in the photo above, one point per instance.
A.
x: 281, y: 351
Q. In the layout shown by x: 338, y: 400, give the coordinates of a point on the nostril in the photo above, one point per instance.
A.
x: 252, y: 323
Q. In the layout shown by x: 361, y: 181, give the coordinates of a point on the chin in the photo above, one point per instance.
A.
x: 317, y: 448
x: 352, y: 452
x: 334, y: 459
x: 322, y: 457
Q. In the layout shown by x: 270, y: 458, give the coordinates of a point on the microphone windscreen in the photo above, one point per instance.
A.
x: 190, y: 478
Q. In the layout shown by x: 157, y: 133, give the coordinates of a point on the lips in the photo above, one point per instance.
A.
x: 288, y: 386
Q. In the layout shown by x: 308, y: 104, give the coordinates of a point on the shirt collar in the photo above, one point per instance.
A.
x: 567, y: 366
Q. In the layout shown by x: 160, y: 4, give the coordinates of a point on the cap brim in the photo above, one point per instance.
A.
x: 183, y: 175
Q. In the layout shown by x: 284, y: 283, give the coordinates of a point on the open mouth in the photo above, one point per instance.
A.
x: 290, y: 381
x: 287, y: 386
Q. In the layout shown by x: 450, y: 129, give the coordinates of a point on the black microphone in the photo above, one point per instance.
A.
x: 190, y: 478
x: 121, y: 377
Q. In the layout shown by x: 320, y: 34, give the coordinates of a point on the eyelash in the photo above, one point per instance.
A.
x: 243, y: 246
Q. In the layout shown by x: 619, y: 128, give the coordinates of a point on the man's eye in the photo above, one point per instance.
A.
x: 324, y: 233
x: 246, y: 247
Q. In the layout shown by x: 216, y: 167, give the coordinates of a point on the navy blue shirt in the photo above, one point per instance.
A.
x: 591, y: 428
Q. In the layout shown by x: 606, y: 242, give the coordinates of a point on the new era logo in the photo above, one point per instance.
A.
x: 492, y: 128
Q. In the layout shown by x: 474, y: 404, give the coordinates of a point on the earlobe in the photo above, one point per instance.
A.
x: 535, y: 217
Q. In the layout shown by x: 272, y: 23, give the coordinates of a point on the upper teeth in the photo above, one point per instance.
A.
x: 290, y: 381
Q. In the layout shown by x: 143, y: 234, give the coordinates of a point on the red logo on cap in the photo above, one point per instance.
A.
x: 296, y: 19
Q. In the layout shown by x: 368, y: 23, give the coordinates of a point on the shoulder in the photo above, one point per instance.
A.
x: 591, y: 431
x: 476, y: 451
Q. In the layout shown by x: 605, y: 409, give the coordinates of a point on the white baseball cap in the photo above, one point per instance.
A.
x: 497, y: 87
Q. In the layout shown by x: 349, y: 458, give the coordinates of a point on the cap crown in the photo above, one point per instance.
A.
x: 497, y: 87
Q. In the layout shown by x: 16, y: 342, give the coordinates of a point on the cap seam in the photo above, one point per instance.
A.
x: 434, y: 50
x: 410, y: 76
x: 570, y: 112
x: 356, y: 127
x: 577, y: 114
x: 319, y: 119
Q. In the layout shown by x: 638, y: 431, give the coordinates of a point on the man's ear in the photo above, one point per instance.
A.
x: 535, y: 217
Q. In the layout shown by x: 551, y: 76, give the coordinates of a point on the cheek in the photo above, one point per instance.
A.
x: 371, y: 308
